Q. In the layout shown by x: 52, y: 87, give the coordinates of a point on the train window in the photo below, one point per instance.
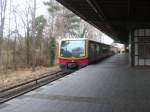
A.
x: 92, y: 50
x: 104, y: 49
x: 97, y: 49
x: 100, y: 48
x: 72, y: 48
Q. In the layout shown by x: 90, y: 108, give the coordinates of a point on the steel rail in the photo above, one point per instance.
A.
x: 20, y: 89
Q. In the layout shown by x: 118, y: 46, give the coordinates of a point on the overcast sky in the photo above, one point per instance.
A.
x: 41, y: 8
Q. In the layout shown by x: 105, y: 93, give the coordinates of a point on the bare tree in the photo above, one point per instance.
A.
x: 25, y: 16
x: 3, y: 5
x: 15, y: 38
x: 33, y: 34
x: 8, y: 38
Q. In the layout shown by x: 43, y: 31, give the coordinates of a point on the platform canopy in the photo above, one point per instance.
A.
x: 114, y: 17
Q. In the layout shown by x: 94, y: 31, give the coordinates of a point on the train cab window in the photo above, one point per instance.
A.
x: 72, y: 48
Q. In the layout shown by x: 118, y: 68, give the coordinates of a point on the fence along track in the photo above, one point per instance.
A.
x: 20, y: 89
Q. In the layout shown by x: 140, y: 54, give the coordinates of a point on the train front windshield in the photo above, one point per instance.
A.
x: 72, y: 48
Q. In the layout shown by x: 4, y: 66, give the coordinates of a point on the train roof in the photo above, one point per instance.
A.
x: 74, y: 39
x: 80, y: 39
x: 83, y: 39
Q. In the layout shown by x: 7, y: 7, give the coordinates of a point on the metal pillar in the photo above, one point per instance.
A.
x: 132, y: 48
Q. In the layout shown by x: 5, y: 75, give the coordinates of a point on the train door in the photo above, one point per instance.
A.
x: 91, y: 51
x: 97, y: 51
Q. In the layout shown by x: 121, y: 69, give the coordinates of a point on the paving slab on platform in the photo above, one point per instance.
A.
x: 109, y: 86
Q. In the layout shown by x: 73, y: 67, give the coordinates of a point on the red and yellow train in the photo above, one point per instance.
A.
x: 80, y: 52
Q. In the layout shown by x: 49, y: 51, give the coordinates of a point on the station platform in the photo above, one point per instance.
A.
x: 109, y: 86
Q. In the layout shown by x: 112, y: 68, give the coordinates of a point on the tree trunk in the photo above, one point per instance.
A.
x: 9, y: 33
x: 3, y: 5
x: 28, y: 56
x: 33, y: 36
x: 14, y: 54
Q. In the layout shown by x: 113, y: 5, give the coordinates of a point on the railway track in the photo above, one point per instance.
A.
x: 20, y: 89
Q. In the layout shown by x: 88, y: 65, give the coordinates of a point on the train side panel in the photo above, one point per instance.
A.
x: 98, y: 51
